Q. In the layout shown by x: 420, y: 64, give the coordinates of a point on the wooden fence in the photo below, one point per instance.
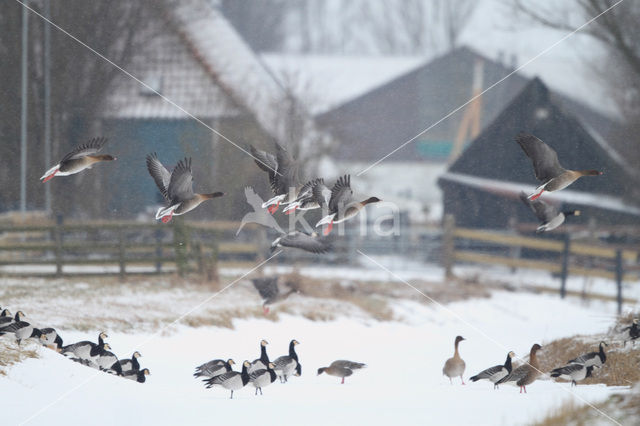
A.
x: 120, y: 248
x: 569, y: 258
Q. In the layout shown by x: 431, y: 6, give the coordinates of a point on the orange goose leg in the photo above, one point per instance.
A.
x: 50, y: 176
x: 167, y: 218
x: 342, y: 382
x: 535, y: 197
x: 273, y: 208
x: 291, y: 211
x: 328, y: 229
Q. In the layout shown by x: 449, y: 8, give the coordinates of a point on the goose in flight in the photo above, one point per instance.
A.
x: 283, y: 175
x: 81, y: 157
x: 550, y: 218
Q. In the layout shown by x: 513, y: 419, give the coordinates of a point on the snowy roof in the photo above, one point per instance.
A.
x: 323, y: 82
x: 513, y: 189
x: 206, y: 67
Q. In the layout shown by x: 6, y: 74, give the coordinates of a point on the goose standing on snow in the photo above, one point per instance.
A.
x: 455, y: 365
x: 573, y: 372
x: 312, y: 195
x: 526, y: 373
x: 547, y: 168
x: 283, y: 175
x: 214, y: 368
x: 631, y: 333
x: 303, y: 241
x: 286, y: 364
x: 176, y: 187
x: 495, y: 373
x: 130, y: 364
x: 341, y: 368
x: 231, y: 380
x: 20, y: 329
x: 596, y: 359
x: 139, y: 376
x: 84, y: 350
x: 51, y: 339
x: 550, y: 218
x: 262, y: 362
x: 342, y: 205
x: 108, y: 361
x: 263, y: 377
x: 81, y: 157
x: 270, y: 292
x: 5, y: 318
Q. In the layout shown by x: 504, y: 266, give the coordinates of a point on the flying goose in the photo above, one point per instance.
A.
x: 631, y: 333
x: 51, y: 339
x: 262, y: 362
x: 303, y: 241
x: 139, y: 376
x: 231, y: 380
x: 81, y: 157
x: 312, y: 195
x: 176, y: 187
x: 286, y: 364
x: 214, y: 368
x: 84, y: 350
x: 547, y: 168
x: 341, y: 368
x: 495, y: 373
x: 20, y: 329
x: 270, y: 291
x: 596, y: 359
x: 550, y: 218
x: 130, y: 364
x: 342, y: 205
x: 573, y: 372
x: 455, y: 365
x: 525, y: 374
x: 283, y: 175
x: 263, y: 377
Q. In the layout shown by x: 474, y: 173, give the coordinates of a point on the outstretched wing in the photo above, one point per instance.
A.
x: 544, y: 158
x: 544, y: 212
x: 266, y: 286
x: 159, y: 173
x: 91, y: 147
x: 306, y: 242
x: 181, y: 184
x: 341, y: 193
x: 321, y: 194
x: 268, y: 163
x: 287, y: 171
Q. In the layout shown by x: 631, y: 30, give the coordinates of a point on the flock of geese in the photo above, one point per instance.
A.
x: 575, y: 370
x: 262, y: 371
x: 95, y: 355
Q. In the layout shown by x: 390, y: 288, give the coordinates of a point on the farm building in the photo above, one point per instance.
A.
x: 481, y: 187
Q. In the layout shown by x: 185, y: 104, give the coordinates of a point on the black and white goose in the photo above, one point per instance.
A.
x: 286, y: 364
x: 262, y: 362
x: 51, y: 339
x: 342, y: 205
x: 231, y: 380
x: 310, y: 242
x: 84, y: 350
x: 631, y: 333
x: 549, y: 216
x: 214, y: 368
x: 263, y: 377
x: 573, y: 372
x: 139, y: 376
x: 270, y: 292
x: 108, y: 361
x: 6, y: 318
x: 20, y: 329
x: 596, y: 359
x: 131, y: 364
x: 495, y: 373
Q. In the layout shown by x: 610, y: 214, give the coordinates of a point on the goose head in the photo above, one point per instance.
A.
x: 272, y: 366
x: 136, y: 354
x: 512, y: 354
x: 371, y: 200
x: 231, y: 362
x: 146, y: 372
x: 263, y: 343
x: 459, y: 339
x: 321, y: 370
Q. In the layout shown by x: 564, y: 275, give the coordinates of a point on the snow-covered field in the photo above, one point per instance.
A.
x: 403, y: 383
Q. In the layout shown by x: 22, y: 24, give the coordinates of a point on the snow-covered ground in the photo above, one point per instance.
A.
x: 403, y: 383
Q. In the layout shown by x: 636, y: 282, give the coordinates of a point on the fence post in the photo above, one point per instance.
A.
x: 57, y: 235
x: 619, y: 276
x: 565, y: 265
x: 212, y: 270
x: 448, y: 245
x: 158, y: 237
x: 121, y: 254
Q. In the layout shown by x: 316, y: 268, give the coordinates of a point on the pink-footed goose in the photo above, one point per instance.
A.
x: 81, y: 157
x: 454, y: 366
